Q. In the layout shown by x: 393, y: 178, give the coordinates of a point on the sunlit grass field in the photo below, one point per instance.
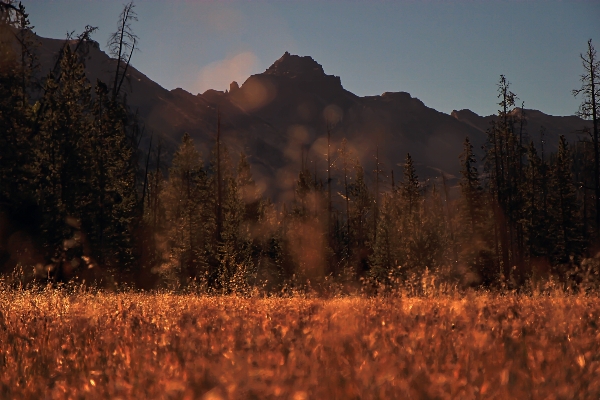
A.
x: 61, y: 344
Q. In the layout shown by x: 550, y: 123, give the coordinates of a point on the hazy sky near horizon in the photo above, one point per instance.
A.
x: 449, y: 54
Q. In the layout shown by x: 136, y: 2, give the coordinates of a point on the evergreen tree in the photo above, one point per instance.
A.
x: 273, y: 266
x: 111, y: 215
x: 17, y: 173
x: 344, y: 233
x: 249, y: 206
x: 227, y: 216
x: 152, y: 238
x: 565, y: 230
x: 471, y: 191
x: 411, y: 213
x: 184, y: 197
x: 411, y: 191
x: 399, y: 233
x: 433, y: 247
x: 504, y: 160
x: 64, y: 185
x: 121, y: 45
x: 360, y: 227
x: 473, y: 238
x: 386, y: 257
x: 583, y: 173
x: 376, y: 201
x: 535, y: 216
x: 590, y: 109
x: 304, y: 188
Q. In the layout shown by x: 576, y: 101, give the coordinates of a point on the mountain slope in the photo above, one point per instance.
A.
x: 280, y: 119
x: 553, y: 126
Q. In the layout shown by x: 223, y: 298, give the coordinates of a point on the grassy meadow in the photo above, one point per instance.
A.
x: 59, y: 344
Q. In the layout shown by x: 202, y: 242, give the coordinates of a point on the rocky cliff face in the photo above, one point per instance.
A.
x: 280, y: 119
x: 293, y: 66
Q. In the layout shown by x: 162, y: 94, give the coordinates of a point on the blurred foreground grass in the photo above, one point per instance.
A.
x: 60, y: 344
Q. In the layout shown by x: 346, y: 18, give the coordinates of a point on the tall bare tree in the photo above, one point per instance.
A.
x: 122, y: 44
x: 589, y: 109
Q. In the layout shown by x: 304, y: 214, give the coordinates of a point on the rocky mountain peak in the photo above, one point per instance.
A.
x: 462, y: 114
x: 292, y: 66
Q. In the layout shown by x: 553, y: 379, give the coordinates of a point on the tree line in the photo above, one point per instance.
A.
x: 84, y: 196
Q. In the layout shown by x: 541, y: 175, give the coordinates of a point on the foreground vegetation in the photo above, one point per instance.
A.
x: 84, y: 188
x: 64, y: 344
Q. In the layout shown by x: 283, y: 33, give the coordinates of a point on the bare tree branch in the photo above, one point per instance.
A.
x: 122, y: 44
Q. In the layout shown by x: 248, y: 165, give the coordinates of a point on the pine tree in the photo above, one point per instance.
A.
x: 18, y: 64
x: 386, y: 257
x: 583, y: 173
x: 411, y: 216
x: 504, y: 160
x: 184, y: 197
x: 376, y: 201
x: 249, y: 205
x: 399, y: 229
x: 121, y: 45
x: 471, y: 190
x: 63, y: 187
x: 304, y: 188
x: 153, y: 228
x: 411, y: 191
x: 344, y: 233
x: 111, y: 216
x: 433, y: 245
x: 590, y: 109
x: 360, y: 227
x: 535, y: 215
x: 227, y: 216
x: 474, y: 247
x: 272, y: 268
x: 565, y: 230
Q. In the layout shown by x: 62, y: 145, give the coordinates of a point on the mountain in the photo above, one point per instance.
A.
x: 280, y: 119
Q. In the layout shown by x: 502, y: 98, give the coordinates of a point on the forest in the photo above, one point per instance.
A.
x: 82, y: 200
x: 128, y: 271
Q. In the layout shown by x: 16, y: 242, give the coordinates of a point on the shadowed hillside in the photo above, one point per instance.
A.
x: 281, y: 115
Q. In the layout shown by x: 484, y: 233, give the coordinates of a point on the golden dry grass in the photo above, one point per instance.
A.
x: 58, y: 345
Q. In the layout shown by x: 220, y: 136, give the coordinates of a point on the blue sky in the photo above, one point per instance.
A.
x: 449, y: 54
